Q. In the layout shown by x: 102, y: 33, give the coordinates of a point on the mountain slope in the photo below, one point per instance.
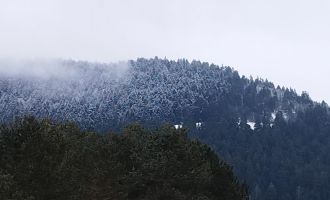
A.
x: 151, y: 90
x: 276, y: 140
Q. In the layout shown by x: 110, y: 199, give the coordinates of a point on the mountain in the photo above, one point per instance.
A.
x: 277, y: 140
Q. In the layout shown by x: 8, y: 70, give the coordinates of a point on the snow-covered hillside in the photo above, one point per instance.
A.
x: 147, y: 90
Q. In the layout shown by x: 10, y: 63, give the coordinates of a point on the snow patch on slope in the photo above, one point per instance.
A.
x: 251, y: 124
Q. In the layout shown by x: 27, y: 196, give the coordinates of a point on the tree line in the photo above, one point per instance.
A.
x: 40, y: 159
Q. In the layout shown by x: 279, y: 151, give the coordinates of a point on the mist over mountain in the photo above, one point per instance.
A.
x: 277, y: 140
x: 142, y: 90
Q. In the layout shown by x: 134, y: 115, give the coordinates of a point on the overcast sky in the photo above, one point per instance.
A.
x: 286, y: 41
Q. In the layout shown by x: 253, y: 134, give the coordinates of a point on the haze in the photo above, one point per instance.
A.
x: 284, y: 41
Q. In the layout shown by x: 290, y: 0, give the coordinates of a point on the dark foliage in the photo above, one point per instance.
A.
x: 42, y: 160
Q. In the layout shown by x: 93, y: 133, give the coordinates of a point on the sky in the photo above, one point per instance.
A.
x: 285, y: 41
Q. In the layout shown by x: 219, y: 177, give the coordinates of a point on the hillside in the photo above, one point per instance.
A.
x: 277, y: 140
x: 143, y: 90
x: 44, y: 160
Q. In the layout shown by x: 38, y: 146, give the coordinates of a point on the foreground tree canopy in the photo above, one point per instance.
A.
x: 44, y: 160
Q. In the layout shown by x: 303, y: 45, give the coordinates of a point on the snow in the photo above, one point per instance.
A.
x: 273, y: 116
x: 251, y: 124
x: 198, y: 124
x: 145, y: 89
x: 95, y: 94
x: 178, y: 126
x: 239, y: 121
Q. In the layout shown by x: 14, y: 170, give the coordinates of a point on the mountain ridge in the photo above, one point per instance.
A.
x: 136, y: 70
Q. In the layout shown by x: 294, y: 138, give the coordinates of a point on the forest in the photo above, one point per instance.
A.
x: 45, y: 160
x: 276, y: 139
